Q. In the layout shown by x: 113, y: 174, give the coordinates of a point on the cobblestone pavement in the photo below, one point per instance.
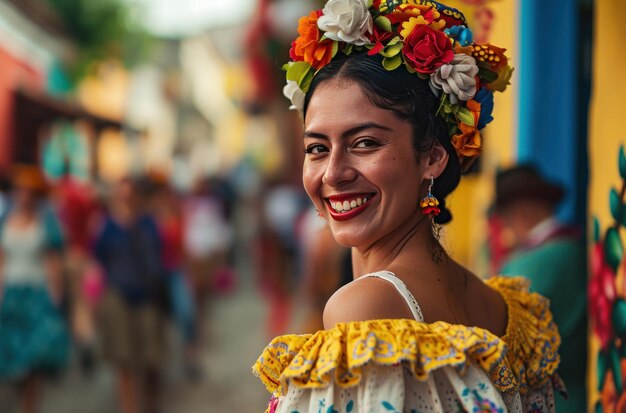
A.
x: 235, y: 340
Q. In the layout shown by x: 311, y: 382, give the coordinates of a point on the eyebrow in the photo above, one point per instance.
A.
x: 352, y: 131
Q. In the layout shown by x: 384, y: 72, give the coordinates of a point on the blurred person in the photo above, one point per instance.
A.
x: 34, y: 338
x: 277, y: 252
x: 165, y: 205
x: 132, y: 312
x: 388, y: 130
x: 326, y: 267
x: 78, y: 209
x: 553, y: 256
x: 207, y: 240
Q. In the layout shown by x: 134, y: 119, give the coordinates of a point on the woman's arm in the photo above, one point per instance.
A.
x: 53, y: 264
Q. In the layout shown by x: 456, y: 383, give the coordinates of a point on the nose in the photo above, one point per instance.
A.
x: 339, y: 170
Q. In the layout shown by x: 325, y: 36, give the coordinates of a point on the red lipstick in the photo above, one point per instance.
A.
x: 346, y: 215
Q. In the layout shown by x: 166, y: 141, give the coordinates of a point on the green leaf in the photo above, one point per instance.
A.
x: 442, y: 102
x: 616, y: 204
x: 596, y: 229
x: 335, y: 48
x: 619, y: 318
x: 297, y: 71
x: 392, y: 63
x: 465, y: 115
x: 394, y: 41
x: 622, y: 162
x: 350, y: 406
x: 602, y: 364
x: 306, y: 82
x: 616, y: 366
x: 348, y: 49
x: 613, y: 248
x: 392, y: 50
x: 486, y: 74
x: 384, y: 23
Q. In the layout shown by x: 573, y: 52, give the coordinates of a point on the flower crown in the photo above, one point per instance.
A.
x: 427, y: 38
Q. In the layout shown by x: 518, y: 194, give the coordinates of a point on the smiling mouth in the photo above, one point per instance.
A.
x: 346, y: 207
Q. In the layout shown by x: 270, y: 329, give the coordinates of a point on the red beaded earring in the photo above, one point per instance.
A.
x: 430, y: 204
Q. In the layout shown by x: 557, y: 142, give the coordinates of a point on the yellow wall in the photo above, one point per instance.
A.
x: 606, y: 134
x: 465, y: 236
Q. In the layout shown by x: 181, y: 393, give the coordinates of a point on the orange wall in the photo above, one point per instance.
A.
x: 14, y: 74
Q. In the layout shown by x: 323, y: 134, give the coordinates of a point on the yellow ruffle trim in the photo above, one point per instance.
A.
x: 532, y: 337
x: 338, y: 354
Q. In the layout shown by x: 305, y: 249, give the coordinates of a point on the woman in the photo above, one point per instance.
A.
x: 34, y: 339
x: 393, y: 95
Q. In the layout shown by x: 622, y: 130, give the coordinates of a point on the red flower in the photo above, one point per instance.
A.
x: 378, y: 38
x: 426, y: 50
x: 307, y: 47
x: 602, y: 295
x: 431, y: 210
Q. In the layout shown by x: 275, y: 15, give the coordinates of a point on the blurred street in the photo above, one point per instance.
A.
x: 227, y: 383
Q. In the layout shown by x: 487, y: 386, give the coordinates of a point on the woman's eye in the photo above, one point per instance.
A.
x: 365, y: 143
x: 315, y: 149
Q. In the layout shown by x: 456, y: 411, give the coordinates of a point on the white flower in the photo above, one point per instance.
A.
x: 347, y: 21
x: 456, y: 78
x: 293, y: 92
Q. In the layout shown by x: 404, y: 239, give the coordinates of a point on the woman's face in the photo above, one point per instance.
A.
x: 360, y: 168
x: 24, y: 197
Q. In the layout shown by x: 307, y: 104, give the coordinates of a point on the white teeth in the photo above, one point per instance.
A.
x: 347, y: 205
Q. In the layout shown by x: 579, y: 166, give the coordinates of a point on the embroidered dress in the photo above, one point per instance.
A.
x: 414, y: 367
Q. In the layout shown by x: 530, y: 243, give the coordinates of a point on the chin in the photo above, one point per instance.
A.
x: 349, y: 239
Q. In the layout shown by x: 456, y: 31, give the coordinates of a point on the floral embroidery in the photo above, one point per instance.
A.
x: 486, y: 406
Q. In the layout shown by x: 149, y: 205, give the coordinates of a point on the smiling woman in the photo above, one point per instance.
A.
x: 390, y: 123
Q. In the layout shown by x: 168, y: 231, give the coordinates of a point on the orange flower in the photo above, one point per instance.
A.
x: 418, y: 14
x: 468, y: 143
x: 307, y: 47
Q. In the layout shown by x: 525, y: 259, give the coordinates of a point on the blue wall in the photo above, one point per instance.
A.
x: 552, y: 97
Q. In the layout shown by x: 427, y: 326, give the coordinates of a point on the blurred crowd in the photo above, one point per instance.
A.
x: 101, y: 273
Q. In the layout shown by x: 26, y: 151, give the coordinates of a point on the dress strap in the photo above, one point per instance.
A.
x: 402, y: 289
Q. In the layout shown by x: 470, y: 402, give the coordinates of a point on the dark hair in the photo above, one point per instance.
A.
x: 410, y: 98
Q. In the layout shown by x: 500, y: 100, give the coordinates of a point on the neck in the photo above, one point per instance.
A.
x: 413, y: 242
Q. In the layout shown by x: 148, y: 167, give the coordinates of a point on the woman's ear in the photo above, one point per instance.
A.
x: 437, y: 161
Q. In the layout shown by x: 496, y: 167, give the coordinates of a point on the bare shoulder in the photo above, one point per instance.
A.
x: 494, y: 315
x: 365, y: 299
